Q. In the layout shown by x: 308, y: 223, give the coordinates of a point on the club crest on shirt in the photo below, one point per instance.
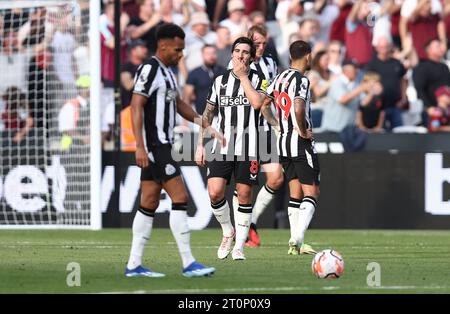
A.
x: 170, y: 170
x: 171, y: 95
x: 230, y: 101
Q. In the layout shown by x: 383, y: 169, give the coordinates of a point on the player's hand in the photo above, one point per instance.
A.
x: 276, y: 130
x: 200, y: 156
x: 141, y: 158
x: 239, y: 67
x: 308, y: 135
x: 217, y: 135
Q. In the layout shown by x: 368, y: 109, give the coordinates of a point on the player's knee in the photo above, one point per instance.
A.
x: 315, y: 192
x: 180, y: 198
x: 149, y: 201
x: 245, y: 196
x: 275, y: 183
x: 216, y: 196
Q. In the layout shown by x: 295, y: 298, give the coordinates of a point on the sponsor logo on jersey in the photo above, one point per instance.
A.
x: 229, y: 101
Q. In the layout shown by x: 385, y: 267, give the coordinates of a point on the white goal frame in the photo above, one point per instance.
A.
x: 95, y: 222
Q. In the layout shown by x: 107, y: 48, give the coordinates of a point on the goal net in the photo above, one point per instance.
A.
x: 45, y: 86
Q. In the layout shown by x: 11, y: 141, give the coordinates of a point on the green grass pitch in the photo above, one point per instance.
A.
x: 410, y: 261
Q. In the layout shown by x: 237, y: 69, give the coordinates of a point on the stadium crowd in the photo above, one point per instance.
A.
x: 380, y: 66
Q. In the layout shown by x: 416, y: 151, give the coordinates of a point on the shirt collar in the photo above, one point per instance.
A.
x: 160, y: 62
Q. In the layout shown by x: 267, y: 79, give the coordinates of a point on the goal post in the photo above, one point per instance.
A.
x: 50, y: 141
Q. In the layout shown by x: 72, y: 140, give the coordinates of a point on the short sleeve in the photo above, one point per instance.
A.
x: 302, y: 88
x: 143, y: 80
x: 270, y: 89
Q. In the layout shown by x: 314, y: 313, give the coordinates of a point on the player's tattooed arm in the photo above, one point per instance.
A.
x: 299, y: 105
x: 267, y: 113
x: 207, y: 118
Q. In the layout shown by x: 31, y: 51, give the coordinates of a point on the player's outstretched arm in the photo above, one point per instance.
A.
x: 267, y: 112
x: 137, y: 104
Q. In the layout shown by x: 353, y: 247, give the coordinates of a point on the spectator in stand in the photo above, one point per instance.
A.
x: 143, y: 25
x: 394, y: 83
x: 337, y: 30
x: 380, y: 20
x: 196, y: 38
x: 137, y: 53
x: 200, y: 79
x: 17, y: 119
x: 288, y: 14
x: 130, y: 7
x: 12, y: 60
x: 440, y: 115
x: 192, y: 5
x: 320, y: 79
x: 344, y: 98
x: 430, y: 74
x: 370, y: 117
x: 223, y: 46
x: 62, y: 46
x: 169, y: 15
x: 106, y: 21
x: 358, y: 36
x: 308, y: 29
x: 73, y: 117
x: 237, y: 22
x: 423, y: 25
x: 446, y: 17
x: 33, y: 34
x: 335, y: 57
x: 394, y: 13
x: 408, y: 54
x: 250, y: 6
x: 326, y: 12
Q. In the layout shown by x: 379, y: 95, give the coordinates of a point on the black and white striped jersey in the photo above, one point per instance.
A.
x: 288, y: 86
x: 237, y: 119
x: 267, y: 69
x: 157, y: 82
